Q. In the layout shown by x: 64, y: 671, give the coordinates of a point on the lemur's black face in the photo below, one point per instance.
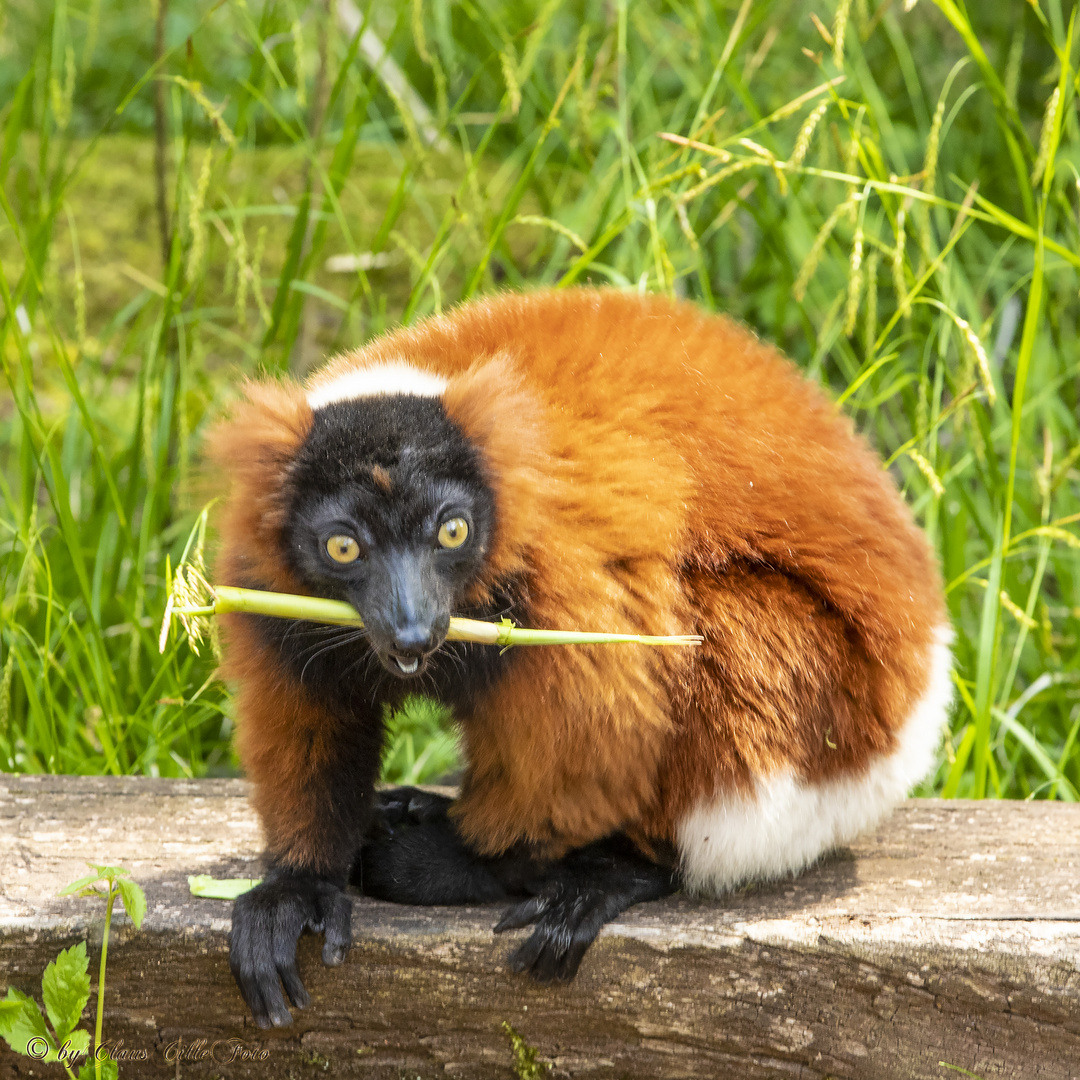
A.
x: 391, y: 512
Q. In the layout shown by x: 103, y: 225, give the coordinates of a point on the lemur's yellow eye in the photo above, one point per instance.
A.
x: 342, y: 549
x: 453, y: 533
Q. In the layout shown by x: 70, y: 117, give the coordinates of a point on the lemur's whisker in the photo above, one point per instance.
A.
x: 335, y: 635
x: 325, y: 649
x: 302, y: 628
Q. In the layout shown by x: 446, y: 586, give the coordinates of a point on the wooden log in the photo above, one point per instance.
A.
x: 951, y: 934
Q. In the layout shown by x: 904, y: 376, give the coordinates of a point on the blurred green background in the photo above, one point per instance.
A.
x: 192, y: 191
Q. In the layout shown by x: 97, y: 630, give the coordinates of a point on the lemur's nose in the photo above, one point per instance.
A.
x: 414, y: 639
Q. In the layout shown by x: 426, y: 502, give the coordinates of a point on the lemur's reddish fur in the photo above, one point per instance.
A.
x: 656, y: 470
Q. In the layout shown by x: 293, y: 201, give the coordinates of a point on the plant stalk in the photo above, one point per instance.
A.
x: 160, y: 137
x: 101, y: 981
x: 227, y: 599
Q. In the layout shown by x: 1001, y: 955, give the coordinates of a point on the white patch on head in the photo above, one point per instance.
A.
x: 381, y: 379
x: 788, y: 823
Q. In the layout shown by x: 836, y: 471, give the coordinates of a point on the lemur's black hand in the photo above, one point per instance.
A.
x: 588, y: 888
x: 266, y: 924
x: 414, y: 855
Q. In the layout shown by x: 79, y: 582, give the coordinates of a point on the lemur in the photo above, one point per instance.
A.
x: 572, y: 459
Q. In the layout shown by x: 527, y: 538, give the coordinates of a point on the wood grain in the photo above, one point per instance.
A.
x: 950, y: 934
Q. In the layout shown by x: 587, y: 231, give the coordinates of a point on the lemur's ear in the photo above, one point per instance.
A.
x: 505, y: 421
x: 254, y: 449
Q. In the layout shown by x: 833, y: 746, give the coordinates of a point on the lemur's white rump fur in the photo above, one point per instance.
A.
x: 379, y: 379
x: 788, y: 823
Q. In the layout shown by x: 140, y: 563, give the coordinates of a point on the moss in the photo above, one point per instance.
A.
x: 526, y: 1067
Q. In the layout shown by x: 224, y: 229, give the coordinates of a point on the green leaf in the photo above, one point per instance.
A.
x: 220, y: 888
x: 109, y: 1070
x: 110, y: 871
x: 65, y: 987
x: 21, y: 1024
x: 76, y: 886
x: 75, y: 1045
x: 134, y: 900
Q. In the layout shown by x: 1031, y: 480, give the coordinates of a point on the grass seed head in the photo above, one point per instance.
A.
x: 839, y: 31
x: 513, y: 90
x: 61, y: 95
x: 870, y: 325
x: 981, y: 359
x: 195, y: 221
x: 243, y: 270
x: 806, y: 135
x: 898, y: 258
x: 190, y: 590
x: 419, y: 37
x: 810, y: 264
x: 1017, y: 612
x: 855, y: 281
x: 1045, y: 136
x: 822, y: 29
x: 213, y: 112
x: 927, y: 470
x: 297, y: 32
x: 80, y: 307
x: 684, y: 224
x: 256, y: 276
x: 933, y: 141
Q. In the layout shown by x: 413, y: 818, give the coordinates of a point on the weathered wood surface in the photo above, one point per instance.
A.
x: 951, y: 934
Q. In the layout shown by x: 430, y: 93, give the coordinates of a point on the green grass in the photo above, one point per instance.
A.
x: 897, y: 210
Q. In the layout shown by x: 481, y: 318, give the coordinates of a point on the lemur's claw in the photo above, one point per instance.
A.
x: 266, y: 924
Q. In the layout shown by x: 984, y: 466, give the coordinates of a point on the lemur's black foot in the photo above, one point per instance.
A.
x: 409, y: 806
x: 266, y: 923
x: 589, y: 887
x: 414, y: 855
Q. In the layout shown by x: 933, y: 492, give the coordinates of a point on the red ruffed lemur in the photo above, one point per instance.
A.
x: 579, y: 459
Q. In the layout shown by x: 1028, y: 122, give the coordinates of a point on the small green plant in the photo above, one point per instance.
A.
x: 526, y: 1067
x: 957, y: 1068
x: 65, y: 989
x: 421, y: 746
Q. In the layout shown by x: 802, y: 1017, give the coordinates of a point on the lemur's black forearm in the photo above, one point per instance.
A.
x: 314, y: 763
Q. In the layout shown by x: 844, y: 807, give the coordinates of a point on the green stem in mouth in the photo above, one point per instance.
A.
x: 227, y: 598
